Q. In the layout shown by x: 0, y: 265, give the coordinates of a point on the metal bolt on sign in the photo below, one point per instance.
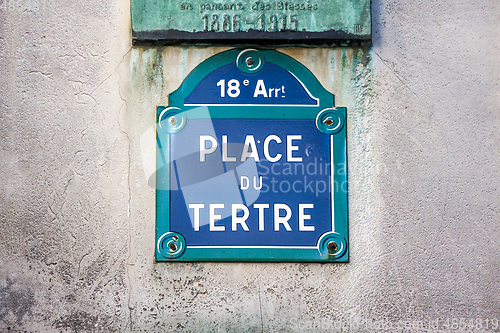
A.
x: 332, y: 247
x: 328, y: 121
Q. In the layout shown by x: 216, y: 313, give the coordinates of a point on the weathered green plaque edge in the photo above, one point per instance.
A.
x: 145, y: 33
x: 286, y: 38
x: 321, y: 253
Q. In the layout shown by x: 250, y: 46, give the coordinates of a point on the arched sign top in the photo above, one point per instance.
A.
x: 249, y: 78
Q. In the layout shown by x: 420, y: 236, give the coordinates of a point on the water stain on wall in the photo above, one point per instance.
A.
x: 15, y: 303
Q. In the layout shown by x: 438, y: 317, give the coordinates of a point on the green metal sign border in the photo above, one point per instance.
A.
x: 332, y: 246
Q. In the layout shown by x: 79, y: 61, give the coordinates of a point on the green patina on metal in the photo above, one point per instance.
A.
x: 174, y: 244
x: 275, y: 21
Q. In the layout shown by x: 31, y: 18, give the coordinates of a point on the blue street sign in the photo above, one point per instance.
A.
x: 251, y: 164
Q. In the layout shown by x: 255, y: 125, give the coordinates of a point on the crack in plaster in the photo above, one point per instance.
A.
x: 129, y: 254
x: 113, y: 72
x: 83, y: 257
x: 261, y: 317
x: 124, y: 104
x: 260, y: 300
x: 396, y: 75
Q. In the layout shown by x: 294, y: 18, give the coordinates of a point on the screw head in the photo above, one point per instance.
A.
x: 328, y: 121
x: 173, y: 247
x: 332, y: 246
x: 172, y: 120
x: 250, y: 62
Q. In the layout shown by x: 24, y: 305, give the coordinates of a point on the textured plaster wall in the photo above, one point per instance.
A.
x: 77, y: 114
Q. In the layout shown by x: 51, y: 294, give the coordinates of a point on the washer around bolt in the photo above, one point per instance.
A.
x: 171, y: 245
x: 330, y: 121
x: 172, y: 120
x: 250, y: 61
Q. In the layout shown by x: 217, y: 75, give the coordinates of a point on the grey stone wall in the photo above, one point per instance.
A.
x: 77, y: 219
